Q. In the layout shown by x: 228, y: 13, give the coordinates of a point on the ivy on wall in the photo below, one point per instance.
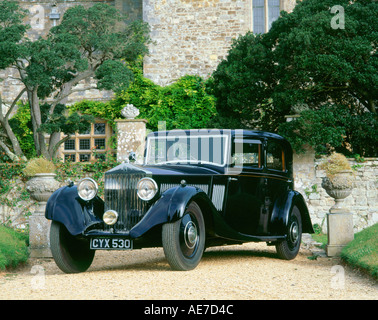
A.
x: 184, y: 104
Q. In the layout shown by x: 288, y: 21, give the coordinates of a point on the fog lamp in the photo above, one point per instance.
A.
x: 110, y: 217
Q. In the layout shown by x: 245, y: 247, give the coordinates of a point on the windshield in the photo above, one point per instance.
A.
x: 183, y: 149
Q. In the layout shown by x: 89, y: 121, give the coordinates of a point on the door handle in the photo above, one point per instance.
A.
x: 232, y: 179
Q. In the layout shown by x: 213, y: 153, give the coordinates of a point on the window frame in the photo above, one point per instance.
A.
x: 92, y: 136
x: 283, y: 157
x: 267, y: 25
x: 249, y: 167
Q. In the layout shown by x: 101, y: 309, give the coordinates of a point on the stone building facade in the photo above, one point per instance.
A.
x: 189, y: 36
x: 193, y: 36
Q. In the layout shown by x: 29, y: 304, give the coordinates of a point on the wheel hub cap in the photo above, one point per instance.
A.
x: 294, y: 232
x: 190, y: 234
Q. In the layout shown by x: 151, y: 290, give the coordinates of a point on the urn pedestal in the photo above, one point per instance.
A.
x: 40, y: 187
x: 340, y: 232
x: 339, y: 220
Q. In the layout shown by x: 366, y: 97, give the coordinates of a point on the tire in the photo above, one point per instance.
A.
x: 289, y: 248
x: 184, y: 240
x: 70, y: 254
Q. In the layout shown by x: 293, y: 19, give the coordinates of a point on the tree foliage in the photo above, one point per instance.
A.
x: 185, y: 104
x: 89, y: 43
x: 305, y: 63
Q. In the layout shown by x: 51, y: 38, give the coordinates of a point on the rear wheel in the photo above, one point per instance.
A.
x: 184, y: 240
x: 289, y: 248
x: 70, y: 254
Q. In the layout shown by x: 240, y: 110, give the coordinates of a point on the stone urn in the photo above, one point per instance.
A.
x: 130, y: 112
x: 338, y: 184
x: 339, y: 187
x: 41, y: 186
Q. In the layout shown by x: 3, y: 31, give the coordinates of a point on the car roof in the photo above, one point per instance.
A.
x: 233, y: 132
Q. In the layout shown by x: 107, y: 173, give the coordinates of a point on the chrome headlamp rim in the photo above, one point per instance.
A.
x: 110, y: 217
x: 80, y: 186
x: 154, y: 189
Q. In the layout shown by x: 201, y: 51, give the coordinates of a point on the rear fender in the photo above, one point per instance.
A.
x: 169, y: 208
x: 66, y: 207
x: 282, y: 209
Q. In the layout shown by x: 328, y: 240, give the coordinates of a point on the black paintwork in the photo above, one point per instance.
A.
x: 256, y: 206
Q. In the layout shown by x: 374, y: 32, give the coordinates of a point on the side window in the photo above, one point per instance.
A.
x: 275, y: 156
x: 247, y: 153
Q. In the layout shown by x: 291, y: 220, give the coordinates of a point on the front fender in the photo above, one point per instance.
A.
x: 66, y: 207
x: 169, y: 208
x: 282, y: 209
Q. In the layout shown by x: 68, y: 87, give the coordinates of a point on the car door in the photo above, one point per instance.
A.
x: 277, y: 180
x: 245, y: 200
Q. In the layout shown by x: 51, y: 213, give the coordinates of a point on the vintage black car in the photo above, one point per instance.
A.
x: 196, y: 189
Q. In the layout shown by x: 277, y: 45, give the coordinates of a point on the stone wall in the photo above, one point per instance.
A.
x: 363, y: 202
x: 191, y: 36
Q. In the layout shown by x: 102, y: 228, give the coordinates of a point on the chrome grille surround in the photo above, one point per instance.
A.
x: 121, y: 196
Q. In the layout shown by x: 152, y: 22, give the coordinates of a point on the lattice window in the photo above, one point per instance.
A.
x: 69, y: 157
x: 84, y: 157
x: 99, y: 128
x: 80, y: 146
x: 84, y: 144
x: 99, y: 144
x: 69, y: 144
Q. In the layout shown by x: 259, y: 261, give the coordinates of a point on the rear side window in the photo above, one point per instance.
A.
x: 275, y: 158
x: 247, y: 152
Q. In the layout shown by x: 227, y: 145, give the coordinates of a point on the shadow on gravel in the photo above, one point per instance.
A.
x: 161, y: 264
x: 152, y: 265
x: 232, y: 254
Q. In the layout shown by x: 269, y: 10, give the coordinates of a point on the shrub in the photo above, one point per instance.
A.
x: 302, y: 60
x: 184, y: 104
x: 38, y: 165
x: 335, y: 163
x: 333, y: 128
x: 104, y: 110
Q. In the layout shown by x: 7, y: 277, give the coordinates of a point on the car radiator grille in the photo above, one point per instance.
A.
x: 121, y: 196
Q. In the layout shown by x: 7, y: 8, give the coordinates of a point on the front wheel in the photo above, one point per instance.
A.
x: 184, y: 240
x: 289, y: 248
x: 70, y: 254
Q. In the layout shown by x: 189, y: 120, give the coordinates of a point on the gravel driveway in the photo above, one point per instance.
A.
x: 243, y: 272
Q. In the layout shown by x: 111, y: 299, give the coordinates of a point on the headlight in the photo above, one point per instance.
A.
x: 87, y: 189
x: 110, y: 217
x: 147, y: 188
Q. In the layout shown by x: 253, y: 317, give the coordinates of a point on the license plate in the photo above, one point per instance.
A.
x: 111, y: 243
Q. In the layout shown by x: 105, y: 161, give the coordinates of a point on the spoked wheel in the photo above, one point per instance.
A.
x: 184, y: 240
x: 70, y: 254
x: 289, y: 248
